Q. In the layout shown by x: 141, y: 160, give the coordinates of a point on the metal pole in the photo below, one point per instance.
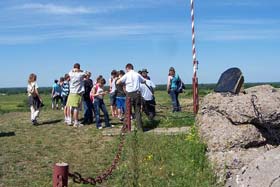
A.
x: 60, y: 175
x: 195, y: 65
x: 128, y: 113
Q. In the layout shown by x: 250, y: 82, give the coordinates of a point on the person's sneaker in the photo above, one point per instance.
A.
x: 100, y: 127
x: 34, y: 122
x: 80, y: 124
x: 76, y: 125
x: 68, y: 122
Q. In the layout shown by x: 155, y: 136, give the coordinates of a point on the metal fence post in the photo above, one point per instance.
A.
x: 60, y: 175
x: 195, y: 95
x: 128, y: 113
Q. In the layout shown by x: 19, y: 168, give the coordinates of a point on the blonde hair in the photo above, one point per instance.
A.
x: 32, y: 78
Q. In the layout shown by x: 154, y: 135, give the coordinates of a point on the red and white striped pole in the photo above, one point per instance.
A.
x: 195, y: 65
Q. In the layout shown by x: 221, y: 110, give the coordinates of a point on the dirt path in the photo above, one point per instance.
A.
x: 160, y: 131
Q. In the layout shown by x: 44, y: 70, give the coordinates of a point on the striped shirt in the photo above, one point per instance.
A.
x: 65, y: 88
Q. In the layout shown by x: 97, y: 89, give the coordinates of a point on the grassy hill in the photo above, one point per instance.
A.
x: 29, y: 152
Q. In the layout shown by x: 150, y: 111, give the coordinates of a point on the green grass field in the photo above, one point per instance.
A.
x: 28, y: 152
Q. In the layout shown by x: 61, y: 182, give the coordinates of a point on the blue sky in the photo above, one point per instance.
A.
x: 48, y: 37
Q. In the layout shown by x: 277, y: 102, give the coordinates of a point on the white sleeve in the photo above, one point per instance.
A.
x: 36, y: 85
x: 152, y: 84
x: 123, y: 78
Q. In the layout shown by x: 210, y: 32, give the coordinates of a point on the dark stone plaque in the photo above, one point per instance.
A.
x: 230, y: 81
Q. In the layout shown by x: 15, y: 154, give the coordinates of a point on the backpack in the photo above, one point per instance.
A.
x: 180, y: 86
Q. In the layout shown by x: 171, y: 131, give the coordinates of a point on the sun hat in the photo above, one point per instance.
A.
x: 144, y: 70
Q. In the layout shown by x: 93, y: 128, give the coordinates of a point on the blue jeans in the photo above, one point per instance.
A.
x: 64, y: 100
x: 99, y: 104
x: 175, y: 102
x: 88, y: 114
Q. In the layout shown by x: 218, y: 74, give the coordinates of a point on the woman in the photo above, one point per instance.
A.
x: 34, y: 99
x: 172, y: 89
x: 98, y: 93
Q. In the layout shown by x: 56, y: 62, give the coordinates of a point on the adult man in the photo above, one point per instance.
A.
x: 76, y: 91
x: 144, y: 73
x: 148, y: 101
x: 132, y: 81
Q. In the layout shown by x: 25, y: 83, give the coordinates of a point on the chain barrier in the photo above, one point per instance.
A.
x: 77, y: 177
x: 257, y: 110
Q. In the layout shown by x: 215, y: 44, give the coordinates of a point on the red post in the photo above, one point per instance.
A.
x: 60, y: 175
x: 128, y: 113
x: 195, y: 95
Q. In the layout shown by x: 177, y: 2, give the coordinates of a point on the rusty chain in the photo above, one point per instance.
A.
x: 77, y: 177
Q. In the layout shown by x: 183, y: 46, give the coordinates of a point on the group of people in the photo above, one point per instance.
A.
x: 77, y: 89
x: 60, y: 92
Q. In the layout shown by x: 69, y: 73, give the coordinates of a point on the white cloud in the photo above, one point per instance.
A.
x: 240, y: 35
x: 58, y: 9
x: 239, y: 29
x: 137, y: 31
x: 240, y: 2
x: 256, y: 22
x: 102, y: 7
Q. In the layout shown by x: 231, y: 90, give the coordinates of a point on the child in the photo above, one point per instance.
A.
x: 120, y: 97
x: 34, y: 99
x: 112, y: 84
x: 98, y: 94
x: 64, y: 93
x: 56, y: 92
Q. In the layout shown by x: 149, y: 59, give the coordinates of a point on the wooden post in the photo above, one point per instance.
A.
x: 60, y: 175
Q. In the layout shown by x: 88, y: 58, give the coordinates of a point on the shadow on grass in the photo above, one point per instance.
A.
x: 49, y: 122
x: 176, y: 116
x: 150, y: 125
x: 117, y: 123
x: 5, y: 134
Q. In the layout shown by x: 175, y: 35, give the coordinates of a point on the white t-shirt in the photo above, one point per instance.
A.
x: 31, y: 88
x: 132, y: 81
x: 113, y: 84
x: 98, y: 91
x: 76, y: 83
x: 150, y: 83
x: 145, y: 91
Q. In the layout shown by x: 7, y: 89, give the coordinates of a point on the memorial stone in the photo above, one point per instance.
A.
x: 230, y: 81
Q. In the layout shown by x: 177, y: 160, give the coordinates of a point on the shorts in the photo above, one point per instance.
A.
x: 120, y: 102
x: 74, y: 100
x: 112, y: 99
